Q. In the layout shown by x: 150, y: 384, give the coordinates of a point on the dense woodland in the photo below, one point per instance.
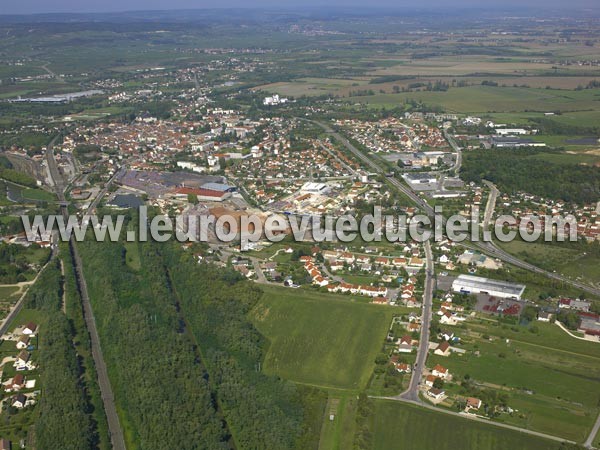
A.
x: 176, y: 336
x: 159, y: 383
x: 513, y: 170
x: 64, y: 419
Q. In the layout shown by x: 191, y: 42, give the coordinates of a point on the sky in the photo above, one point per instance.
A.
x: 78, y: 6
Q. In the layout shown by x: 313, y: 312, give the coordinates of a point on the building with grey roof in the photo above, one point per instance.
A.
x: 496, y: 288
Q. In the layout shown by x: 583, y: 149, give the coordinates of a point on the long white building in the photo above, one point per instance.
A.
x: 478, y: 285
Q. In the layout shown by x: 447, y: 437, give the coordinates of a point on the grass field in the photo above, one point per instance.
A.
x: 338, y: 434
x: 396, y: 425
x: 482, y: 99
x: 568, y: 261
x: 6, y: 292
x: 320, y: 339
x: 37, y: 194
x: 552, y: 379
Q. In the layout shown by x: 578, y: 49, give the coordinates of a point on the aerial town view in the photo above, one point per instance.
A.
x: 290, y: 225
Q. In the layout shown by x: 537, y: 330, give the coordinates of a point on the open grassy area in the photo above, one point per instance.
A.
x: 552, y: 379
x: 38, y: 195
x: 338, y: 434
x: 7, y: 292
x: 482, y: 99
x: 397, y: 425
x: 570, y: 261
x: 320, y: 339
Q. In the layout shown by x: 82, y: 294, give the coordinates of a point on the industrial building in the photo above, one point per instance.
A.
x: 514, y: 142
x: 478, y: 285
x: 420, y: 178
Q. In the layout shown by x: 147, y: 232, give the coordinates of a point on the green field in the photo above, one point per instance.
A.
x: 552, y: 379
x: 338, y: 434
x: 484, y: 99
x: 571, y: 261
x: 38, y: 194
x: 6, y: 292
x: 396, y: 425
x: 320, y: 339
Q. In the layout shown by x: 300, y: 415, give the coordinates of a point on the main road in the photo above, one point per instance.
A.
x: 412, y: 393
x: 114, y: 426
x: 486, y: 247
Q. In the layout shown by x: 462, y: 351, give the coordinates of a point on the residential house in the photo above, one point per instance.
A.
x: 473, y: 403
x: 403, y: 367
x: 23, y: 342
x: 17, y: 383
x: 443, y: 349
x: 448, y: 318
x: 414, y: 327
x: 19, y: 401
x: 440, y: 371
x: 5, y: 444
x: 429, y: 380
x: 405, y: 344
x: 30, y: 329
x: 544, y: 316
x: 436, y: 394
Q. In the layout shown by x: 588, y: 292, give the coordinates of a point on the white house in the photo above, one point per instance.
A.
x: 30, y: 329
x: 440, y: 371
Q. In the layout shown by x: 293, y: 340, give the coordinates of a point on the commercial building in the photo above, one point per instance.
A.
x: 478, y: 285
x: 514, y: 142
x: 420, y: 178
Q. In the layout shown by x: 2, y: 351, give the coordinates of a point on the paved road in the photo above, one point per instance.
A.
x: 590, y: 440
x: 457, y: 149
x: 491, y: 204
x: 114, y: 427
x: 412, y: 393
x: 485, y: 247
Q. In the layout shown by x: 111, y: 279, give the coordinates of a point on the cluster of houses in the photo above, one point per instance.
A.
x: 526, y: 207
x: 22, y: 363
x: 392, y: 135
x: 448, y: 312
x: 407, y: 293
x: 319, y: 280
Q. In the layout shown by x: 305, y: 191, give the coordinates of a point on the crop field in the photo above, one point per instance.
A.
x: 312, y: 86
x: 482, y: 99
x: 397, y: 425
x: 320, y: 339
x: 552, y: 379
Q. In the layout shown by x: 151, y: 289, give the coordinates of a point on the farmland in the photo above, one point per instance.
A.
x: 484, y: 99
x: 343, y: 337
x: 396, y: 425
x: 549, y: 377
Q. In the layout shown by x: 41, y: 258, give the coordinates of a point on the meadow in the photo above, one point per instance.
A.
x: 320, y: 339
x: 397, y: 425
x: 552, y: 379
x: 572, y: 261
x: 489, y: 99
